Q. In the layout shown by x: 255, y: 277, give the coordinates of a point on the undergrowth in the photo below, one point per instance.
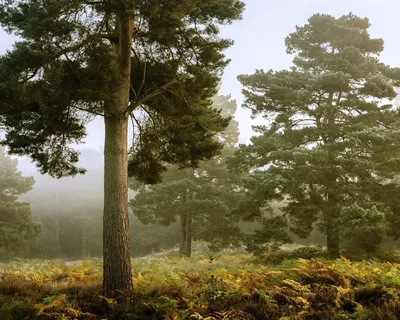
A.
x: 225, y: 287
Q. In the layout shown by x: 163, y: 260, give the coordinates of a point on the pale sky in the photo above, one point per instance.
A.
x: 259, y: 42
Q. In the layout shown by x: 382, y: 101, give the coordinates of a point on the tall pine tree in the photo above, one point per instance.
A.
x: 16, y: 224
x: 202, y: 199
x: 111, y: 58
x: 332, y: 136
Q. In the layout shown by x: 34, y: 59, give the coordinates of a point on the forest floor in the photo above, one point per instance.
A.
x: 224, y: 287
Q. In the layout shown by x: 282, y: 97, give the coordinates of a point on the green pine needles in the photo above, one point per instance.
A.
x: 333, y: 136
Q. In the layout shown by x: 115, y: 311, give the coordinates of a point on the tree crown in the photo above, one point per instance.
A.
x: 58, y: 77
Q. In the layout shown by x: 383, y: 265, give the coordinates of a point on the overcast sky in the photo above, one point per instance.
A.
x: 259, y: 42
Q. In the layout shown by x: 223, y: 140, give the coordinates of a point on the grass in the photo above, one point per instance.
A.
x: 228, y: 287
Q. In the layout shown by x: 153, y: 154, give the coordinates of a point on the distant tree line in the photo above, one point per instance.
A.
x: 324, y: 169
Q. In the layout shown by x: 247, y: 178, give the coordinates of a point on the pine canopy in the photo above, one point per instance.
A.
x: 332, y: 134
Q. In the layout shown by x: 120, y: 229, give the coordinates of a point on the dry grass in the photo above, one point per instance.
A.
x: 228, y: 287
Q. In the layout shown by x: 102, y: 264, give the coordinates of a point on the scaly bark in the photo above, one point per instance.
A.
x: 116, y: 240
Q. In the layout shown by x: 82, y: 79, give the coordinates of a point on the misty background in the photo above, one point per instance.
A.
x: 259, y: 43
x: 260, y: 35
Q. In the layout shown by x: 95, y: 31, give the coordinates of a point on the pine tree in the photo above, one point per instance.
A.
x: 114, y: 58
x: 202, y: 199
x: 16, y: 224
x: 333, y: 134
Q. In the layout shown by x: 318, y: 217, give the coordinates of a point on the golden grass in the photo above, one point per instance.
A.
x: 229, y: 287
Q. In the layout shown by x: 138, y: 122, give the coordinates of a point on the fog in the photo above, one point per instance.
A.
x: 258, y: 44
x: 260, y: 35
x: 271, y: 192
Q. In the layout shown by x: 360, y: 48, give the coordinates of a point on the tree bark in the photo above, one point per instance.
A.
x: 117, y: 272
x: 332, y: 232
x: 333, y: 239
x: 182, y: 246
x: 116, y: 240
x: 188, y: 235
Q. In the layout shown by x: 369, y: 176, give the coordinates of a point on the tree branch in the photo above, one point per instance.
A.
x: 149, y: 96
x: 72, y: 48
x: 150, y: 115
x: 88, y: 111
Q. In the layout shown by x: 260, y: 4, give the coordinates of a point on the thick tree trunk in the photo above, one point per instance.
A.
x: 333, y: 239
x: 116, y: 240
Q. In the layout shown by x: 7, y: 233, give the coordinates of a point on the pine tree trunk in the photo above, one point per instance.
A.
x: 332, y: 230
x: 188, y: 236
x: 116, y: 241
x: 57, y: 227
x: 57, y: 223
x: 182, y: 247
x: 185, y: 246
x: 84, y: 243
x: 332, y: 239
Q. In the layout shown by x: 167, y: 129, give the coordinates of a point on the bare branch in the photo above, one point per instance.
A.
x: 88, y: 111
x: 143, y: 79
x: 140, y: 129
x: 149, y: 96
x: 150, y: 115
x: 133, y: 134
x: 72, y: 48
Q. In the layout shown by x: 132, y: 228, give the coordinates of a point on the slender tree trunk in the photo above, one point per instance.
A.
x: 57, y: 224
x: 57, y: 227
x: 188, y: 235
x: 333, y: 240
x: 84, y: 254
x: 332, y: 232
x: 116, y: 241
x: 332, y: 224
x: 182, y: 247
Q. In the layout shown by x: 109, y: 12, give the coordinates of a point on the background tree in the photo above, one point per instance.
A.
x: 202, y: 199
x: 80, y: 197
x: 112, y: 59
x: 332, y: 138
x: 16, y: 224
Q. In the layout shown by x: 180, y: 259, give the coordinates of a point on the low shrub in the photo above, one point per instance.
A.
x: 228, y: 287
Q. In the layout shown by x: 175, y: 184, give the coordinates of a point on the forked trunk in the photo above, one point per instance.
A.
x: 116, y: 241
